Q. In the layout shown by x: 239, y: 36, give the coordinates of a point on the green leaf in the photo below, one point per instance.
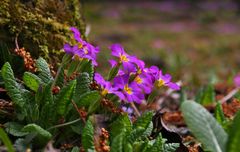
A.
x: 66, y: 59
x: 83, y: 83
x: 5, y: 55
x: 171, y: 147
x: 144, y: 120
x: 117, y: 143
x: 204, y: 127
x: 88, y: 136
x: 94, y: 106
x: 14, y: 129
x: 113, y: 72
x: 135, y: 135
x: 88, y: 98
x: 234, y: 135
x: 6, y: 141
x: 75, y: 149
x: 219, y: 115
x: 12, y: 87
x: 72, y: 67
x: 32, y: 81
x: 47, y: 107
x: 64, y: 97
x: 121, y: 124
x: 158, y: 145
x: 44, y: 71
x: 41, y: 136
x: 60, y: 79
x: 87, y: 66
x: 206, y: 95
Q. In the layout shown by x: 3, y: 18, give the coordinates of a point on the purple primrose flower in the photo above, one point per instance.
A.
x: 81, y: 50
x: 165, y: 80
x: 237, y: 80
x: 127, y: 92
x: 106, y: 87
x: 128, y: 62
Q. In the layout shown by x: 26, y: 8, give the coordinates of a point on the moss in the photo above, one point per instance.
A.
x: 42, y: 26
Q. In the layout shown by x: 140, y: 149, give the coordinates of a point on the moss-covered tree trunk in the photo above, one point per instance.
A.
x: 41, y: 26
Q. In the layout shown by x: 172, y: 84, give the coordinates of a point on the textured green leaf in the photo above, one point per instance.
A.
x: 204, y: 127
x: 117, y: 143
x: 12, y: 87
x: 60, y: 79
x: 6, y: 141
x: 14, y: 129
x: 47, y: 107
x: 158, y: 145
x: 32, y: 81
x: 88, y: 136
x: 72, y: 67
x: 219, y: 115
x: 94, y: 106
x: 206, y: 95
x: 88, y: 98
x: 234, y: 135
x: 30, y: 109
x: 64, y: 97
x: 121, y: 124
x: 87, y: 66
x: 83, y: 83
x: 135, y: 135
x: 44, y: 71
x: 41, y: 135
x: 144, y: 120
x: 171, y: 147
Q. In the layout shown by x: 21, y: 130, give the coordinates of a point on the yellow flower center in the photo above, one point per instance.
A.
x: 127, y: 89
x: 160, y: 82
x: 123, y: 58
x: 139, y: 71
x: 80, y: 45
x: 104, y: 92
x: 76, y: 57
x: 138, y: 80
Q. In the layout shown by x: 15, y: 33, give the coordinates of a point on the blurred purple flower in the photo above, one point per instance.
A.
x: 106, y: 87
x: 128, y: 62
x: 144, y: 82
x: 127, y: 92
x: 165, y: 80
x: 237, y: 80
x: 83, y: 49
x: 128, y: 110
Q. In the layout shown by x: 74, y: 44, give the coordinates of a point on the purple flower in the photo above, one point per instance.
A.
x: 106, y: 87
x: 144, y: 82
x: 128, y: 110
x: 127, y: 92
x: 83, y: 49
x: 165, y: 80
x: 128, y: 62
x: 237, y: 80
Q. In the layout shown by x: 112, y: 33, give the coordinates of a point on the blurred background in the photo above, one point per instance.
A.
x: 195, y: 41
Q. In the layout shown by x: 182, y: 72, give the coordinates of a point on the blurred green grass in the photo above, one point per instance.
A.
x: 190, y: 43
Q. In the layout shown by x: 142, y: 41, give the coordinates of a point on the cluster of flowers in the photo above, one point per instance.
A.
x: 132, y: 81
x: 82, y: 49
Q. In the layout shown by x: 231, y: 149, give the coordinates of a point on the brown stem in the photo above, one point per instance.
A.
x: 135, y: 109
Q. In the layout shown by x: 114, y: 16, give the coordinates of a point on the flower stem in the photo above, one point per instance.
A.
x: 135, y: 109
x: 64, y: 124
